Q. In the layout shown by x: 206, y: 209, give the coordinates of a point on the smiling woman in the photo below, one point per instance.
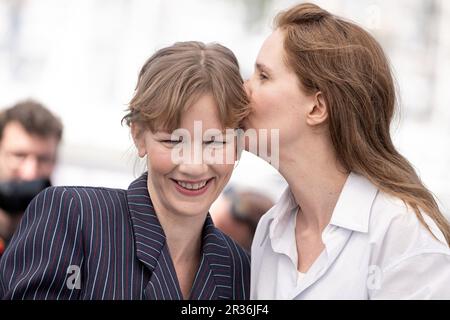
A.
x: 155, y: 240
x: 176, y: 188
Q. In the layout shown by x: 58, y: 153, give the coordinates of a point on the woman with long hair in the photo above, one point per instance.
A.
x: 356, y: 222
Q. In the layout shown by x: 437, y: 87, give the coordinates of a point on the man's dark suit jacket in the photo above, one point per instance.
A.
x: 99, y: 243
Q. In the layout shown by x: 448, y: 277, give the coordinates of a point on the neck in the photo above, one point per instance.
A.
x: 184, y: 240
x: 315, y: 179
x: 183, y: 233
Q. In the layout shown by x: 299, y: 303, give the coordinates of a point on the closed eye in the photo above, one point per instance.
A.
x: 171, y: 142
x: 215, y: 142
x: 262, y: 71
x: 263, y: 76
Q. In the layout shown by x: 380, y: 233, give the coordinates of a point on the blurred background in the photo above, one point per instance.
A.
x: 81, y: 59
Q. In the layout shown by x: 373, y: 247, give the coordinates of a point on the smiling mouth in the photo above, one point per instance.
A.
x: 193, y: 186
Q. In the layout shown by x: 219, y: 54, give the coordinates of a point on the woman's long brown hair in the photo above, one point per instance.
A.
x: 349, y: 67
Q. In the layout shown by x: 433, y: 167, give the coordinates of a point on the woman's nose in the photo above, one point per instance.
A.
x: 193, y: 170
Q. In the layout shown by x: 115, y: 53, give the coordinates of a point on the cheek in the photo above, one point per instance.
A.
x: 266, y: 100
x: 159, y: 162
x: 223, y: 172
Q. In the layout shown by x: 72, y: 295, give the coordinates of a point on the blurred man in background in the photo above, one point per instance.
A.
x: 237, y: 213
x: 29, y: 139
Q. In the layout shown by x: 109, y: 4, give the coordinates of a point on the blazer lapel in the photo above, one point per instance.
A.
x: 214, y: 276
x: 149, y: 236
x: 150, y: 243
x: 163, y: 284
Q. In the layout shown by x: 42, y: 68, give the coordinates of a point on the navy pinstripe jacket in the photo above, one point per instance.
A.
x: 99, y: 243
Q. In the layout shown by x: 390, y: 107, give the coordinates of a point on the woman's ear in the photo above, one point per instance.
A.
x: 318, y: 113
x: 139, y: 140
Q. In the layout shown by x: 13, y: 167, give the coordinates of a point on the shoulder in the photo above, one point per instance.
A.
x: 76, y: 193
x: 60, y: 227
x: 56, y: 202
x: 396, y: 233
x: 88, y: 204
x: 89, y: 193
x: 53, y: 201
x: 410, y: 263
x: 93, y: 198
x: 392, y: 215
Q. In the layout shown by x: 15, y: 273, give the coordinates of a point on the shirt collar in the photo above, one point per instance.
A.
x: 281, y: 224
x: 352, y: 210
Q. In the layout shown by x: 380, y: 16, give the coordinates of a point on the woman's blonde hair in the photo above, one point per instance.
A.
x: 346, y: 64
x: 174, y: 77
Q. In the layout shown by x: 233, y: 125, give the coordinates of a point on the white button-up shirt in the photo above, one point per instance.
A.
x: 375, y: 248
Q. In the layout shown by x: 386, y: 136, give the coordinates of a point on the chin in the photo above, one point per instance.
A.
x: 193, y: 210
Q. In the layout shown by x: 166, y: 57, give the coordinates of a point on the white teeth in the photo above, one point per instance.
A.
x: 191, y: 186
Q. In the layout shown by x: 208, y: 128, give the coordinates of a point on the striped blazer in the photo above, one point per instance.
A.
x: 99, y: 243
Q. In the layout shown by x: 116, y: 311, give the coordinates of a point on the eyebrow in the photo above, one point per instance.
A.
x: 262, y: 67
